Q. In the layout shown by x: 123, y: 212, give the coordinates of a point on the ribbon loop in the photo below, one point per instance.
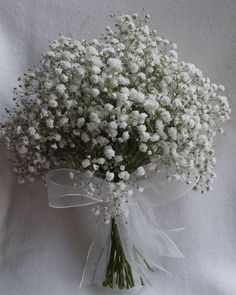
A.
x: 69, y: 188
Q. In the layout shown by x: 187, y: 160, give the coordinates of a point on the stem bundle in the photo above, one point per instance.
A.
x: 119, y: 271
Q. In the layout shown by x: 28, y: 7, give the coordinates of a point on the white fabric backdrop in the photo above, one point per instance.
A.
x: 41, y: 249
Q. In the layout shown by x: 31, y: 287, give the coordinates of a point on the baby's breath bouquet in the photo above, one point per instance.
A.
x: 117, y: 110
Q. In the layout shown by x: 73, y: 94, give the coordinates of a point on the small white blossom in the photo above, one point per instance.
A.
x: 95, y: 92
x: 118, y: 158
x: 50, y: 123
x: 63, y: 121
x: 53, y: 103
x: 86, y: 163
x: 31, y: 130
x: 109, y: 152
x: 18, y: 130
x: 110, y: 176
x: 143, y: 147
x: 23, y: 150
x: 115, y: 64
x: 61, y: 88
x: 125, y: 135
x: 140, y: 171
x: 36, y: 136
x: 57, y: 137
x: 124, y: 175
x: 80, y: 122
x: 109, y: 107
x: 85, y: 137
x: 172, y: 131
x: 64, y: 78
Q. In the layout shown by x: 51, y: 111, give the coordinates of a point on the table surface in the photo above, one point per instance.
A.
x: 42, y: 249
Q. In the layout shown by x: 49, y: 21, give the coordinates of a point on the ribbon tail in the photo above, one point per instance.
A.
x: 145, y: 244
x: 97, y: 255
x: 88, y: 256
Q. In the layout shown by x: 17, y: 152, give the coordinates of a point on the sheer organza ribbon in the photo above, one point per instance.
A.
x: 144, y: 242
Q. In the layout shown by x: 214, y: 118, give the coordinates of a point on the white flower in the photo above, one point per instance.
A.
x: 154, y: 137
x: 166, y: 116
x: 57, y: 137
x: 100, y: 161
x: 107, y: 218
x: 137, y: 96
x: 115, y: 64
x: 141, y: 189
x: 36, y: 136
x: 145, y: 136
x: 140, y: 171
x: 92, y: 50
x: 48, y: 85
x: 61, y: 88
x: 80, y: 122
x: 94, y: 117
x: 119, y: 158
x: 73, y: 88
x: 184, y: 76
x: 54, y: 146
x: 95, y: 92
x: 125, y: 135
x: 44, y: 113
x: 63, y: 121
x: 177, y: 102
x: 89, y: 173
x: 23, y: 150
x: 85, y: 137
x: 151, y: 105
x: 102, y: 140
x: 110, y: 176
x: 134, y: 68
x: 172, y: 131
x: 143, y: 147
x: 53, y: 96
x: 31, y: 130
x: 109, y: 152
x: 31, y: 169
x: 109, y: 107
x: 165, y: 100
x: 113, y: 125
x: 124, y: 175
x: 69, y: 103
x: 58, y: 71
x: 53, y: 103
x: 95, y: 167
x: 64, y: 78
x: 65, y: 64
x: 50, y: 123
x: 86, y: 163
x: 96, y: 70
x: 18, y: 130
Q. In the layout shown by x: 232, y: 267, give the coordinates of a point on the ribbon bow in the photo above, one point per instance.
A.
x: 144, y: 242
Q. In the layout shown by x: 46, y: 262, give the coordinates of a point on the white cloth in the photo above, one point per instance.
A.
x: 42, y: 249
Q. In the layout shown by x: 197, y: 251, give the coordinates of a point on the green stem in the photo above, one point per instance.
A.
x: 147, y: 265
x: 119, y: 271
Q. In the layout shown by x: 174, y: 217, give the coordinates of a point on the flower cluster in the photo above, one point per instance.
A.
x: 113, y: 105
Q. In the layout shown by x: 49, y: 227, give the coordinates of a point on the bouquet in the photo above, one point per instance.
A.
x: 116, y: 112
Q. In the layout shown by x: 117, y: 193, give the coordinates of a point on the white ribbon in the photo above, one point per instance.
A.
x: 143, y: 241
